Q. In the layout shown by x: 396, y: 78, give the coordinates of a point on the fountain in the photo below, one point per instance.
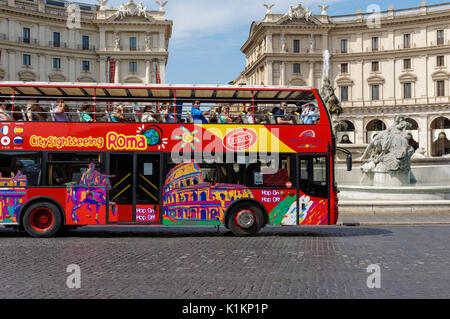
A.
x: 387, y: 184
x: 386, y: 181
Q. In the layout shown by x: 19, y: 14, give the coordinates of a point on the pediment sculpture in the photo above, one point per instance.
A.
x: 298, y: 12
x: 131, y: 9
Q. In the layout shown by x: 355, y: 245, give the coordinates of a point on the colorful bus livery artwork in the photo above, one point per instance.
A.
x: 189, y: 199
x: 244, y: 172
x: 13, y: 194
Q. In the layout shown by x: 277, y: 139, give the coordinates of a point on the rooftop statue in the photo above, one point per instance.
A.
x: 390, y: 150
x: 269, y: 8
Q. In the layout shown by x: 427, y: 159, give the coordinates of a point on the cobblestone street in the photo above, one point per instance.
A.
x: 198, y: 262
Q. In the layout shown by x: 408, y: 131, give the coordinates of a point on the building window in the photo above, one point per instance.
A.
x: 296, y: 46
x: 26, y: 59
x: 344, y: 93
x: 56, y: 39
x: 375, y: 92
x: 132, y: 43
x: 407, y: 41
x: 85, y: 66
x: 296, y: 68
x: 407, y: 92
x: 407, y: 64
x: 440, y: 60
x: 26, y: 35
x: 133, y: 67
x: 344, y: 68
x: 344, y: 46
x: 375, y: 44
x: 85, y: 42
x: 375, y: 66
x: 440, y: 37
x: 440, y: 88
x: 57, y: 63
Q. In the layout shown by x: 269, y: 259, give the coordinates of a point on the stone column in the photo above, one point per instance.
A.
x: 72, y: 71
x: 147, y: 71
x: 102, y: 70
x: 12, y: 76
x: 282, y: 73
x: 311, y: 74
x: 41, y: 36
x: 162, y: 41
x: 359, y: 131
x: 42, y: 68
x: 11, y: 30
x: 268, y: 77
x: 269, y: 46
x: 102, y: 40
x: 162, y: 70
x: 424, y: 135
x: 325, y: 42
x: 117, y: 73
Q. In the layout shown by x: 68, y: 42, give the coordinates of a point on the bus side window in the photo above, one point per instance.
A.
x: 28, y: 163
x: 64, y: 168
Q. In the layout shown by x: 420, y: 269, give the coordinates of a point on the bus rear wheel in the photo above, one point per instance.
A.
x: 245, y: 219
x: 42, y: 219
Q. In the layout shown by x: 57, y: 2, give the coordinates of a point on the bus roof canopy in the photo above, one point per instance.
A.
x: 154, y: 92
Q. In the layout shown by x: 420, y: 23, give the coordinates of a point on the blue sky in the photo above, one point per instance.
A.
x: 208, y: 34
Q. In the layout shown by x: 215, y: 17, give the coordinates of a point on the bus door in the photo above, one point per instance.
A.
x: 313, y: 189
x: 135, y: 188
x: 148, y: 188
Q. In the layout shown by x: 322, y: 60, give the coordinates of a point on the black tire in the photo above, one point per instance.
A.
x: 245, y: 219
x: 42, y: 219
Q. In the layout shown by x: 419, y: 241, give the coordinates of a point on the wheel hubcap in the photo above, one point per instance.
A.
x: 41, y: 219
x: 245, y: 218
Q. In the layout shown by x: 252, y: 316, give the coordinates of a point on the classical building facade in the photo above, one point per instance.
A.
x: 380, y: 65
x: 50, y: 40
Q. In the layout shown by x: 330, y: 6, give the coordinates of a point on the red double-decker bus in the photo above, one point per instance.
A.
x: 243, y: 157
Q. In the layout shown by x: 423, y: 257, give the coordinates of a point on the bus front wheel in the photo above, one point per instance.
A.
x: 245, y: 219
x: 42, y: 219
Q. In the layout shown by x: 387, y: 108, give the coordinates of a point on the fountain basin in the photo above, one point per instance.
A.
x: 423, y: 199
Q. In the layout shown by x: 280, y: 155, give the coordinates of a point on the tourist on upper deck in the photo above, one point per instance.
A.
x: 197, y: 114
x: 60, y: 111
x: 17, y: 114
x: 148, y: 116
x: 118, y: 114
x: 280, y: 115
x: 167, y: 113
x: 86, y: 109
x: 36, y: 113
x: 309, y: 114
x: 225, y: 117
x: 5, y: 111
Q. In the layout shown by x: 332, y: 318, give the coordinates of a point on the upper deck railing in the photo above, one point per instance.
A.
x: 160, y: 103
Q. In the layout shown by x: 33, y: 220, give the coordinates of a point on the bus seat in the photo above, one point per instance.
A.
x: 79, y: 116
x: 190, y: 119
x: 270, y: 118
x: 297, y: 118
x: 135, y: 114
x: 243, y: 117
x: 108, y: 118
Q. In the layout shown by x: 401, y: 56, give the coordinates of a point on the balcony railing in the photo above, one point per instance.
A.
x: 27, y: 40
x: 62, y: 45
x: 86, y: 47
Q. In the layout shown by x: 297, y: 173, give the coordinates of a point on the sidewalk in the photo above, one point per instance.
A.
x: 347, y: 219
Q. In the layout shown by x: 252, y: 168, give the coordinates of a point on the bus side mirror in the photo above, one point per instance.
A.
x: 349, y: 162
